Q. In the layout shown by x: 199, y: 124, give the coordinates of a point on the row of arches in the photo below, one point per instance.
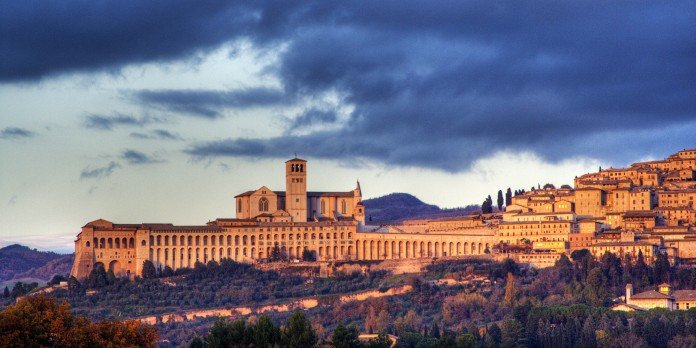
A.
x: 380, y: 250
x: 240, y: 240
x: 113, y: 243
x: 187, y: 257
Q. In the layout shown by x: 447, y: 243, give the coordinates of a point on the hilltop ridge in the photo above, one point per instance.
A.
x: 399, y: 206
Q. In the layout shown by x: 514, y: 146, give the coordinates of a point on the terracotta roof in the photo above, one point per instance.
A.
x: 685, y: 295
x: 650, y: 295
x: 622, y: 244
x: 295, y: 159
x: 309, y: 194
x: 186, y: 228
x: 639, y: 213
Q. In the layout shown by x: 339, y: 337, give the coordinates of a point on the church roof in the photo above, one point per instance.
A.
x: 295, y: 160
x: 309, y: 194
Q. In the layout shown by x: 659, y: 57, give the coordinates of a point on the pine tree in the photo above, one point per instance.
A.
x: 508, y: 197
x: 500, y: 200
x: 345, y: 337
x: 298, y: 332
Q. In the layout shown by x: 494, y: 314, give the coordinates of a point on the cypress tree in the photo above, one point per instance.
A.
x: 149, y: 271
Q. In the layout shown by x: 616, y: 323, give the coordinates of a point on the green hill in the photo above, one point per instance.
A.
x: 396, y: 207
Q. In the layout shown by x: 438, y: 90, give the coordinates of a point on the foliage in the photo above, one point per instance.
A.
x: 345, y: 337
x: 41, y: 321
x: 149, y: 271
x: 297, y: 333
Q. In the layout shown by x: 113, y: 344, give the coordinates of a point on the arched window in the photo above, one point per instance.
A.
x: 323, y: 207
x: 343, y: 206
x: 263, y: 204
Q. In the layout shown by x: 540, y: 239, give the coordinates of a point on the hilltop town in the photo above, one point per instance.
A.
x: 644, y: 209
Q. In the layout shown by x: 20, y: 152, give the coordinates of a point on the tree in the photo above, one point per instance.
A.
x: 382, y: 341
x: 265, y: 333
x: 345, y: 337
x: 508, y: 197
x: 298, y: 332
x: 511, y: 334
x: 500, y: 200
x: 97, y: 278
x: 493, y: 335
x: 149, y: 271
x: 466, y: 341
x: 57, y: 279
x: 167, y: 272
x: 197, y: 342
x: 661, y: 270
x: 6, y: 293
x: 220, y: 335
x: 595, y: 287
x: 308, y: 255
x: 275, y: 254
x: 487, y: 205
x: 510, y: 289
x: 40, y: 321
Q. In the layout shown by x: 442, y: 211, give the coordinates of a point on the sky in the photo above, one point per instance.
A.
x: 163, y: 111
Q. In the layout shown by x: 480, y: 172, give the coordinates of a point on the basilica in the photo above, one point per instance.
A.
x: 645, y: 209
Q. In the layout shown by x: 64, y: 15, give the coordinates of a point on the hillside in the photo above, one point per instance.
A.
x: 396, y: 207
x: 16, y: 259
x: 60, y: 266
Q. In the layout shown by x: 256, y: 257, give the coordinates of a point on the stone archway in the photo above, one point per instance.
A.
x: 115, y: 267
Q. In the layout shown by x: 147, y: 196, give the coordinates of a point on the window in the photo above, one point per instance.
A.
x: 239, y: 205
x: 343, y: 206
x: 323, y: 207
x: 263, y: 204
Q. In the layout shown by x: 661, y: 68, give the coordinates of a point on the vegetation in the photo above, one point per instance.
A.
x: 224, y: 284
x: 39, y: 321
x: 492, y: 304
x: 16, y: 259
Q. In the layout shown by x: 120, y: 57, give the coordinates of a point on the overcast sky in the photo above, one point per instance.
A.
x: 162, y: 111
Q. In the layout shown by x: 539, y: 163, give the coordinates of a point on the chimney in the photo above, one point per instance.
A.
x: 629, y: 292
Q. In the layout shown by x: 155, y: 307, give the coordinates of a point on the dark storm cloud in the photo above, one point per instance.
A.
x: 313, y: 117
x: 156, y: 134
x: 137, y: 157
x: 436, y: 84
x: 15, y: 133
x: 102, y: 122
x: 445, y: 84
x: 208, y: 104
x: 99, y: 172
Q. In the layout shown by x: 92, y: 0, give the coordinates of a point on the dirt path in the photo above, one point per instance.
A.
x: 303, y: 303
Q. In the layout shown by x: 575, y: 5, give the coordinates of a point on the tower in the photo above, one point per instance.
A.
x: 296, y: 189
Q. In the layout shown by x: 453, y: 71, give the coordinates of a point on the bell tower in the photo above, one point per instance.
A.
x: 296, y: 189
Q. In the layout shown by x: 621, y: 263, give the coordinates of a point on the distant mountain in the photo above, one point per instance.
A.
x: 396, y: 207
x: 16, y: 259
x: 60, y: 266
